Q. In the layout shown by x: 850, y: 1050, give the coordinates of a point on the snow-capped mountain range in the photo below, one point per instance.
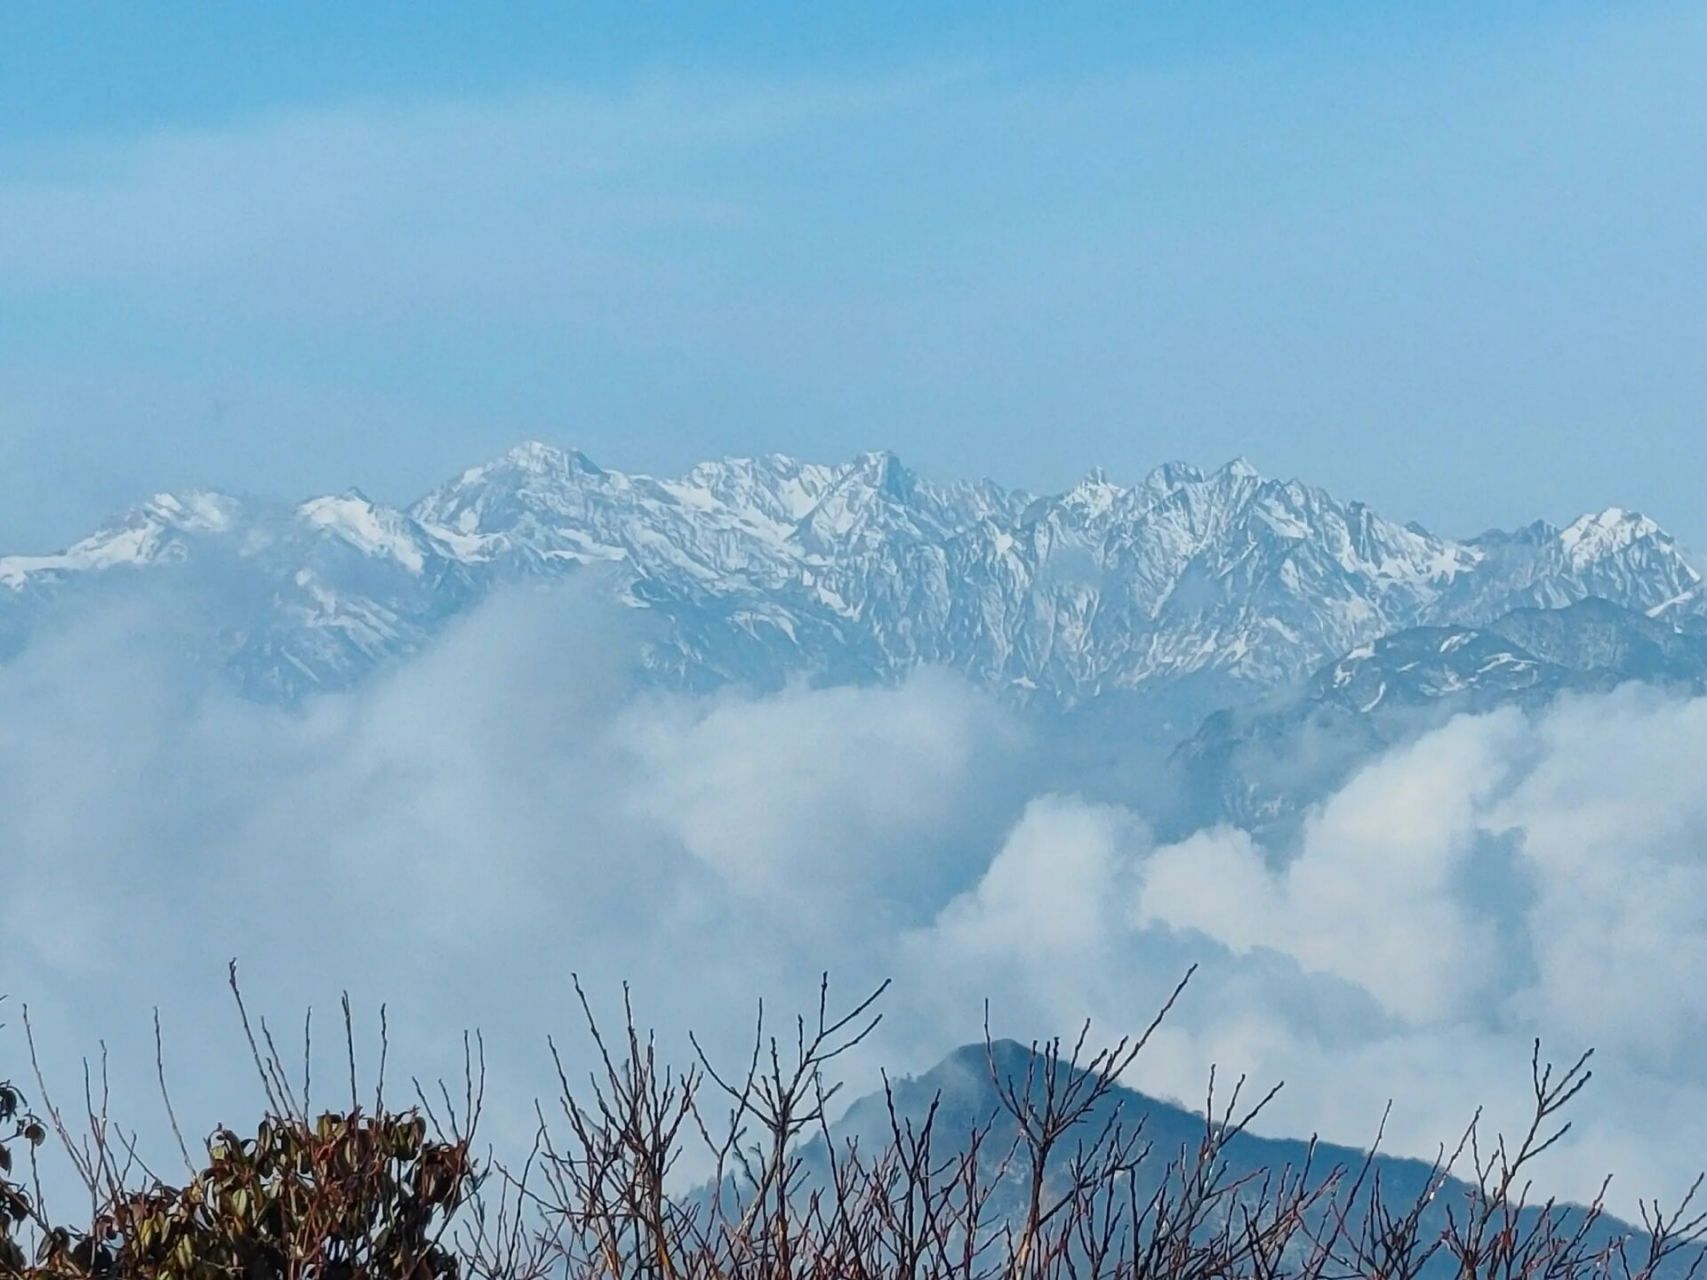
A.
x: 764, y: 569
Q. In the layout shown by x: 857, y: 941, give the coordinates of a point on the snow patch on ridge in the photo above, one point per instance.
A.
x: 358, y: 522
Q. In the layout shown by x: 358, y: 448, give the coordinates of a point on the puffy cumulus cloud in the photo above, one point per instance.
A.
x: 829, y: 799
x: 1048, y: 895
x: 462, y: 833
x: 1375, y: 897
x: 1614, y: 824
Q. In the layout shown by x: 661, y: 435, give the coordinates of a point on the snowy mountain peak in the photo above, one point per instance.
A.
x: 1172, y: 475
x: 1239, y: 468
x: 1094, y: 496
x: 884, y: 472
x: 1608, y: 532
x: 535, y: 458
x: 152, y: 532
x: 377, y: 531
x: 200, y: 510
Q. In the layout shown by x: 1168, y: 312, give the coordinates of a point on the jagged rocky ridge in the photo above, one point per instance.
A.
x: 758, y: 570
x: 1261, y: 764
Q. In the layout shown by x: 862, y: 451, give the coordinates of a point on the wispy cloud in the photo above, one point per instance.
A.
x: 512, y: 209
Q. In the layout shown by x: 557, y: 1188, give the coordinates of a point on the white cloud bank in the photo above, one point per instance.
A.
x: 460, y: 835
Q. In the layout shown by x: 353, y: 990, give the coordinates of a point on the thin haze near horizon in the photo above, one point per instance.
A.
x: 1446, y: 260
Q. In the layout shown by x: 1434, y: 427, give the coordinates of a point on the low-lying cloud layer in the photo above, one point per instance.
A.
x: 462, y: 834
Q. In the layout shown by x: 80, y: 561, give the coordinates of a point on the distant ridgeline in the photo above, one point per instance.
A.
x: 1224, y: 583
x: 963, y: 1095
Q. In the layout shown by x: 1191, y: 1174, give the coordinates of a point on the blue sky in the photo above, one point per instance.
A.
x: 1447, y: 258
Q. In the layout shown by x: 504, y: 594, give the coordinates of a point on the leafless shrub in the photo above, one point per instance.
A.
x: 712, y: 1173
